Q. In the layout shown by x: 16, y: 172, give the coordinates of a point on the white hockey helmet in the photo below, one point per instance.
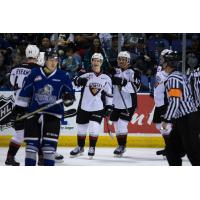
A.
x: 97, y: 56
x: 125, y: 54
x: 165, y: 51
x: 32, y: 51
x: 41, y: 59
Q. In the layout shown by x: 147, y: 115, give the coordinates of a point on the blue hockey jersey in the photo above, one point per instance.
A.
x: 40, y: 90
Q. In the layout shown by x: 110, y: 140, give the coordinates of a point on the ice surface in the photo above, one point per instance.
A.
x: 104, y: 157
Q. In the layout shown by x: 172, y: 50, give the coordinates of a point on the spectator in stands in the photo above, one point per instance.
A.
x: 3, y: 72
x: 71, y: 62
x: 45, y: 45
x: 176, y: 43
x: 16, y: 59
x: 68, y: 38
x: 193, y: 55
x: 83, y: 41
x: 113, y: 52
x: 153, y: 43
x: 95, y: 48
x: 106, y: 40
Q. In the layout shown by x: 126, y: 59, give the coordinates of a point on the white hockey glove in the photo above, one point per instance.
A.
x: 166, y: 128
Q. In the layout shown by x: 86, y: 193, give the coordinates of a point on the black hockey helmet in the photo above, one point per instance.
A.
x: 171, y: 58
x: 51, y: 54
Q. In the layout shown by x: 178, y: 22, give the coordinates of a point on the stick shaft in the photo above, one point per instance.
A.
x: 40, y: 109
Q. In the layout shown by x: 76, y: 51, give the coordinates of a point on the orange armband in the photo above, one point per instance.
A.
x: 174, y: 92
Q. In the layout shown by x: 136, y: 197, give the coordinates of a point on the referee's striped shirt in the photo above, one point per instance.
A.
x: 179, y: 94
x: 194, y: 79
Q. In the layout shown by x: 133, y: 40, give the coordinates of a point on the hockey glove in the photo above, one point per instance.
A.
x: 119, y: 81
x: 108, y: 110
x: 80, y: 81
x: 68, y: 99
x: 111, y: 71
x: 17, y: 112
x: 166, y: 128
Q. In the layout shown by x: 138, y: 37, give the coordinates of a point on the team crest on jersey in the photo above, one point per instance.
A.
x: 6, y: 106
x: 95, y: 88
x: 44, y: 95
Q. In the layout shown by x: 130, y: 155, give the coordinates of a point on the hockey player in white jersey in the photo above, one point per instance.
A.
x: 17, y: 77
x: 160, y: 98
x: 126, y: 81
x: 92, y: 109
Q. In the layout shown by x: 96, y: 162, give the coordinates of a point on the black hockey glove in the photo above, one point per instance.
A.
x: 119, y: 81
x: 111, y: 71
x: 80, y: 81
x: 108, y: 110
x: 17, y: 112
x: 68, y: 99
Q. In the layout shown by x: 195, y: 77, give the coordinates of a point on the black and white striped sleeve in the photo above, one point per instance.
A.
x: 174, y: 94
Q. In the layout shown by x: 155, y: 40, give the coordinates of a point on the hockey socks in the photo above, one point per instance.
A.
x: 122, y: 139
x: 13, y: 149
x: 93, y: 140
x: 49, y: 159
x: 81, y: 140
x: 31, y: 152
x: 30, y: 159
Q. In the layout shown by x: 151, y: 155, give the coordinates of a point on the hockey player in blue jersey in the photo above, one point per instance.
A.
x: 44, y: 86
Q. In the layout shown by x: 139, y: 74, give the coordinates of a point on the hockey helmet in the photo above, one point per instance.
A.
x: 171, y: 58
x: 51, y: 55
x: 125, y: 54
x: 32, y: 51
x: 97, y: 56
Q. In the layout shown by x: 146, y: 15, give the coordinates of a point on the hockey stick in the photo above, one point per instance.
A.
x: 109, y: 131
x: 28, y: 115
x: 117, y: 86
x: 123, y: 101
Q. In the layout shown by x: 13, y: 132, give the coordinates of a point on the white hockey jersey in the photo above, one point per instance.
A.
x: 18, y: 76
x: 159, y: 88
x: 127, y: 91
x: 96, y: 86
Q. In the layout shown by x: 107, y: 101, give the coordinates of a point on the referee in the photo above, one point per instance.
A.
x: 194, y: 79
x: 182, y: 115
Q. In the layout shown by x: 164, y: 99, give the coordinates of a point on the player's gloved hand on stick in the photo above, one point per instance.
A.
x: 17, y: 112
x: 108, y: 110
x: 68, y: 99
x: 119, y: 81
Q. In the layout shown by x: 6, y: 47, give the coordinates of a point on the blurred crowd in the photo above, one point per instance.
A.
x: 75, y: 51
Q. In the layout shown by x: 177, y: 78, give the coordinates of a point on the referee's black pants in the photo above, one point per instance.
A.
x: 184, y: 139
